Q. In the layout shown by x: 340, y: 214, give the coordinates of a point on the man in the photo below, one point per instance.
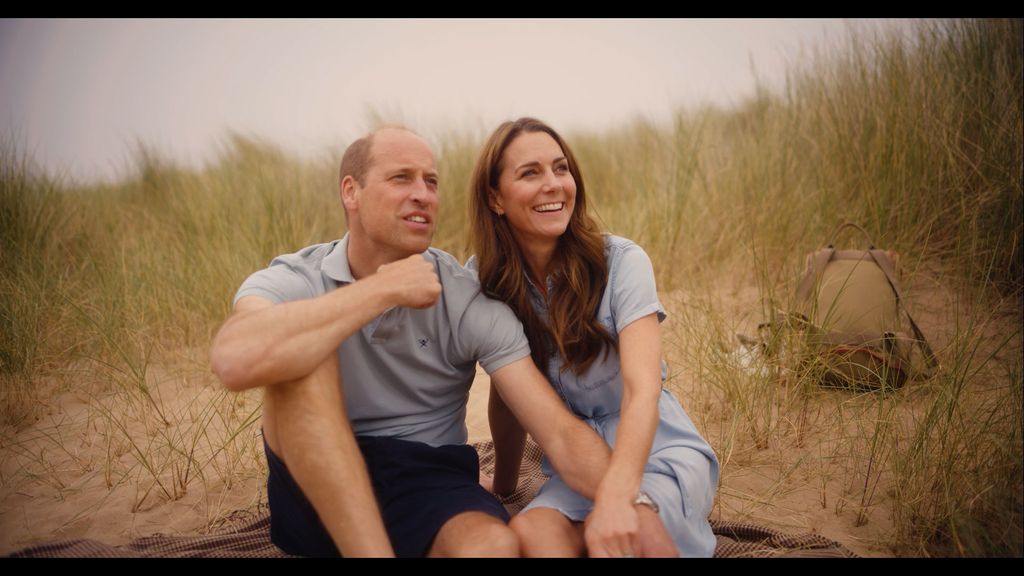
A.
x: 366, y: 348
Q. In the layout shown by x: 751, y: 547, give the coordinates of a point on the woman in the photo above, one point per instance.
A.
x: 590, y: 310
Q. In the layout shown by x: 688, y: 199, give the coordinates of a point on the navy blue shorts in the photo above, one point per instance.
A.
x: 418, y: 489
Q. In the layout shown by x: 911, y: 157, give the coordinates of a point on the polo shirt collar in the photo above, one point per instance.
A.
x: 336, y: 263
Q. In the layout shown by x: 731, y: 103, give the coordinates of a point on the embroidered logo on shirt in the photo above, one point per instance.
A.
x: 423, y: 342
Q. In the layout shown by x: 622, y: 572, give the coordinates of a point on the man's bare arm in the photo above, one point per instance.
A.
x: 263, y: 344
x: 578, y: 454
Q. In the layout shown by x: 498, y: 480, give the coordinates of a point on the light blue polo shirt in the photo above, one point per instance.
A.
x: 407, y: 373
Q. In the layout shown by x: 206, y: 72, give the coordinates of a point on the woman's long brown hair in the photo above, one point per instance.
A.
x: 580, y: 269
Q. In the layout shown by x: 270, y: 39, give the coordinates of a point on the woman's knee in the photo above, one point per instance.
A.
x: 655, y: 541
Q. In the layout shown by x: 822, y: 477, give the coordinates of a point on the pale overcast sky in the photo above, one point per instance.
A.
x: 78, y: 93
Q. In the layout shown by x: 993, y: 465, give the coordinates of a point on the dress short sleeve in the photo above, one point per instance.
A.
x: 634, y: 293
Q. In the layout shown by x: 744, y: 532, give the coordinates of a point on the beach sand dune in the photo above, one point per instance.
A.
x: 182, y: 454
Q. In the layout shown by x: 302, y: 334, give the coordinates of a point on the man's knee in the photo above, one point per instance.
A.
x: 475, y: 534
x: 497, y: 539
x: 309, y: 407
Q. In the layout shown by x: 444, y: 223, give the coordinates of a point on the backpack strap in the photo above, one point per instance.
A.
x: 845, y: 225
x: 816, y: 263
x: 883, y: 262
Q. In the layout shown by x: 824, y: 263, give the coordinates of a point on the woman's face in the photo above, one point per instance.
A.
x: 536, y: 191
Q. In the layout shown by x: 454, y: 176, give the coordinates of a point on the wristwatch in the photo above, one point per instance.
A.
x: 645, y: 499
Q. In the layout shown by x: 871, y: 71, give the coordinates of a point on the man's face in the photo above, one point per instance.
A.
x: 397, y: 209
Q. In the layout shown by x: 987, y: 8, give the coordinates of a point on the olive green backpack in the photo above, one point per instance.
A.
x: 848, y: 320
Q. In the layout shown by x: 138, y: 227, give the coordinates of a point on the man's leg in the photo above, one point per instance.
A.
x: 474, y: 535
x: 547, y: 533
x: 305, y: 424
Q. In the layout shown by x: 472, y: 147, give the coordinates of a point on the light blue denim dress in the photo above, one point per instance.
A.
x: 682, y: 471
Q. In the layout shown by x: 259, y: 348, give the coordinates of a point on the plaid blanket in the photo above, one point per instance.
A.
x: 247, y: 533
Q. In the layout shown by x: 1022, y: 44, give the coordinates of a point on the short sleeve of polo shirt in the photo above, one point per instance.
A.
x: 634, y: 292
x: 492, y: 334
x: 283, y: 281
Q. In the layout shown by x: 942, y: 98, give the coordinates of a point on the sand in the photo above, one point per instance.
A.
x: 104, y: 464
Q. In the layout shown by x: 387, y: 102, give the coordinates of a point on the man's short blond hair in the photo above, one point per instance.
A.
x: 358, y: 157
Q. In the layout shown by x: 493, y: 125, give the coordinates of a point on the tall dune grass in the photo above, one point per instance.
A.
x: 917, y: 138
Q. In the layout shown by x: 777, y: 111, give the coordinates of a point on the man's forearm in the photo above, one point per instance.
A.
x: 580, y: 457
x: 268, y: 344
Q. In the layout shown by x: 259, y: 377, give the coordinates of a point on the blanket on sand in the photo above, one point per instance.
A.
x: 246, y: 534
